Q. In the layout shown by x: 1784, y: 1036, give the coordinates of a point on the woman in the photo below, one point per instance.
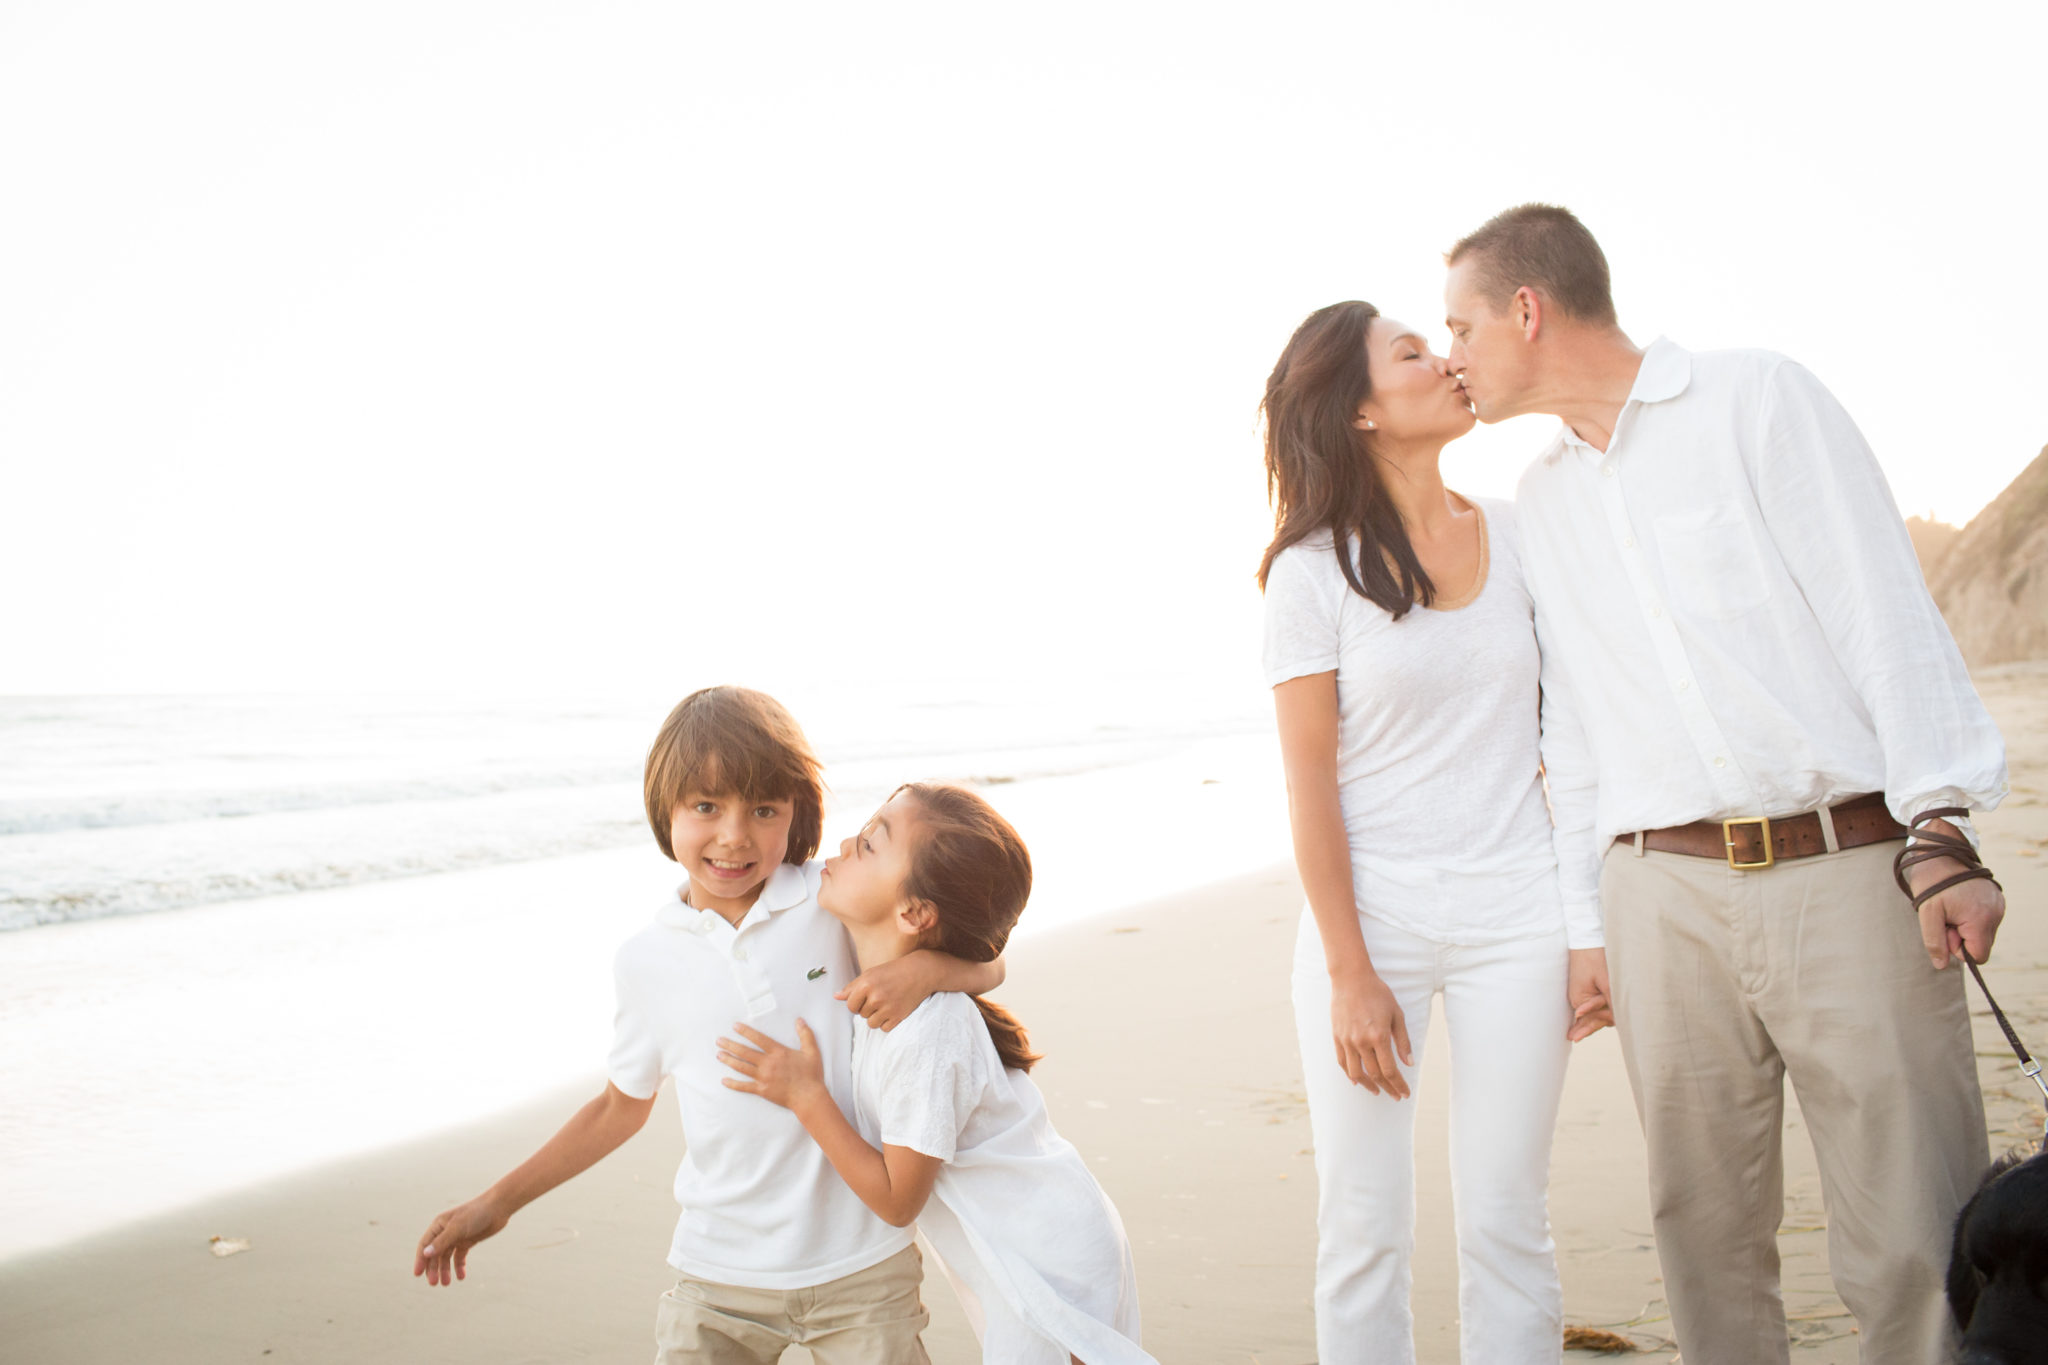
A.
x: 1401, y: 648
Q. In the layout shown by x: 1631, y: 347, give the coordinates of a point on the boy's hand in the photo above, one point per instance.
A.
x: 885, y: 995
x: 450, y: 1236
x: 786, y: 1076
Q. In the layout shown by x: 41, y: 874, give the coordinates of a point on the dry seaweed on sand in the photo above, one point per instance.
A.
x: 1597, y: 1339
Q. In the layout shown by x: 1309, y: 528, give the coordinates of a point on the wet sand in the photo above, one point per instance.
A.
x: 1170, y: 1063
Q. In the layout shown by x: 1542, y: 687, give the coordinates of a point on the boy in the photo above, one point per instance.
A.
x: 772, y: 1246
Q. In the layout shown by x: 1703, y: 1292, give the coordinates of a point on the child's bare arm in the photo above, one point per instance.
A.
x: 895, y: 1182
x: 594, y: 1133
x: 885, y: 995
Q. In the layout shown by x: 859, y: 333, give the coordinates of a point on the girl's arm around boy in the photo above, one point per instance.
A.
x: 895, y: 1182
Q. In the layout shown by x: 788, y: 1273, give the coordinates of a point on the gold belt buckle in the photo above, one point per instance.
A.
x: 1763, y: 824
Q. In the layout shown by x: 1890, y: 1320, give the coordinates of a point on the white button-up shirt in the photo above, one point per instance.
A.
x: 1732, y: 619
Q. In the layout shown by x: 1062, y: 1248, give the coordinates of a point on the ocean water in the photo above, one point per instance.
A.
x: 236, y: 921
x: 124, y: 805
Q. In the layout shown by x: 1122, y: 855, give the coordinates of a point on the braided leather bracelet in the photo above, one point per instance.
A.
x: 1923, y: 844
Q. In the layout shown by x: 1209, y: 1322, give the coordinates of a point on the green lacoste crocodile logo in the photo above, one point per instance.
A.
x: 814, y: 973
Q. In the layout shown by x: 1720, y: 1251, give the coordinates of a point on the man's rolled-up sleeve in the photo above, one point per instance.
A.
x: 1835, y: 522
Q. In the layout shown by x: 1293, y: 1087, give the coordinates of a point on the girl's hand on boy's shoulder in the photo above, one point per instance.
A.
x: 788, y: 1076
x: 889, y: 992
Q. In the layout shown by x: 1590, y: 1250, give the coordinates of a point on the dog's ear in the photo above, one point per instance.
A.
x: 1965, y: 1282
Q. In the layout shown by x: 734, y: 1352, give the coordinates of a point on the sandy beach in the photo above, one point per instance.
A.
x: 1170, y: 1063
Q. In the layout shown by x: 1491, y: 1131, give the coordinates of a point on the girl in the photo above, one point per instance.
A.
x: 1401, y: 646
x: 1031, y: 1243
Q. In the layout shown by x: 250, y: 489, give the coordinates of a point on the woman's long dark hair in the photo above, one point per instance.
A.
x: 968, y: 864
x: 1320, y: 471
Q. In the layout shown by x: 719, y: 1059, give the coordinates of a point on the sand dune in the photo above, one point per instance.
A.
x: 1990, y: 579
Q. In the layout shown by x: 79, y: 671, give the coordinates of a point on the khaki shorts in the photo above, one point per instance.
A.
x: 871, y: 1317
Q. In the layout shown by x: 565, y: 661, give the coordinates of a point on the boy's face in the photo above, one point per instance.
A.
x: 729, y: 845
x: 864, y: 884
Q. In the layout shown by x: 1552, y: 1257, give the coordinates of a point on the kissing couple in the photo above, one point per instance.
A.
x: 1675, y: 741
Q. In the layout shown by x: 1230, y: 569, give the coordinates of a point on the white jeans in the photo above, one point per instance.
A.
x: 1505, y: 1007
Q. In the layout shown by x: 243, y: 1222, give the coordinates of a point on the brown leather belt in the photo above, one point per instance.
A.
x: 1756, y: 841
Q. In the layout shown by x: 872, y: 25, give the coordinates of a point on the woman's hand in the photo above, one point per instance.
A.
x: 1586, y: 989
x: 1370, y: 1032
x: 790, y: 1077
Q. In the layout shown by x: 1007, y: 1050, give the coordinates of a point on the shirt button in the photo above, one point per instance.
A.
x: 1657, y: 612
x: 1628, y: 542
x: 739, y: 954
x: 1720, y: 762
x: 1608, y: 470
x: 1684, y: 683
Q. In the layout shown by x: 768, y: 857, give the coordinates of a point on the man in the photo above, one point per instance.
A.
x: 1748, y: 696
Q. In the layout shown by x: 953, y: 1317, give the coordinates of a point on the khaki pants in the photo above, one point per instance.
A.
x: 1724, y: 983
x: 871, y: 1317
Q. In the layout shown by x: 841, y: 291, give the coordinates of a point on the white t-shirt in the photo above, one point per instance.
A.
x: 762, y: 1207
x: 1437, y: 766
x: 1032, y: 1244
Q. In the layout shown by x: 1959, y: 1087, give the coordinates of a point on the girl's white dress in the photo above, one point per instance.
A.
x: 1032, y: 1244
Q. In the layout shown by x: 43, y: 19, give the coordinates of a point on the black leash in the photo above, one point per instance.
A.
x: 2028, y: 1065
x: 1925, y: 844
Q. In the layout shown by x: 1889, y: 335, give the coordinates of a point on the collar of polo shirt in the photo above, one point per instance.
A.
x: 1665, y: 372
x: 784, y: 889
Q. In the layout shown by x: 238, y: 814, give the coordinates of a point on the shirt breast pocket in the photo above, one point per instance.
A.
x: 1712, y: 562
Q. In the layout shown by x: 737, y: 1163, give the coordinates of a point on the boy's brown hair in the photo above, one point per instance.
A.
x: 735, y: 740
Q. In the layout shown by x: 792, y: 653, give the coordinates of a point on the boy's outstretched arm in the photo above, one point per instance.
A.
x: 895, y: 1182
x: 594, y: 1133
x: 885, y: 995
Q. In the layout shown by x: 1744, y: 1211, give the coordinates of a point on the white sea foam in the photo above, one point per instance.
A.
x: 124, y: 805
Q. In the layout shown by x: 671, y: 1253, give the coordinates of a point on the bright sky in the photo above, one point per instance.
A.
x: 563, y: 347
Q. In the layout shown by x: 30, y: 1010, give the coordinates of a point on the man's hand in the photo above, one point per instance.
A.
x: 1369, y: 1032
x: 789, y: 1076
x: 1586, y: 989
x: 445, y: 1247
x: 1966, y: 915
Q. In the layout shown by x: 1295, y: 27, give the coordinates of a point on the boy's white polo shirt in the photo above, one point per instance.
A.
x: 762, y: 1207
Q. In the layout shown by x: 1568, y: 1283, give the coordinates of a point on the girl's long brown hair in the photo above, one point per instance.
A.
x: 968, y: 864
x: 1320, y: 471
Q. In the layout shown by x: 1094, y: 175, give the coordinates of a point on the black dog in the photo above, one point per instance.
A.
x: 1998, y: 1267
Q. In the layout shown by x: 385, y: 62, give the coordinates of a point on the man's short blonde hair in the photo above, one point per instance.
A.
x: 1545, y: 247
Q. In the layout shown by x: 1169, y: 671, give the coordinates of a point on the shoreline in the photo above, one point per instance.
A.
x: 1171, y: 1065
x: 245, y: 1040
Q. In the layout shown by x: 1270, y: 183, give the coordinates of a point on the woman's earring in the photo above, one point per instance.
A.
x: 1371, y: 425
